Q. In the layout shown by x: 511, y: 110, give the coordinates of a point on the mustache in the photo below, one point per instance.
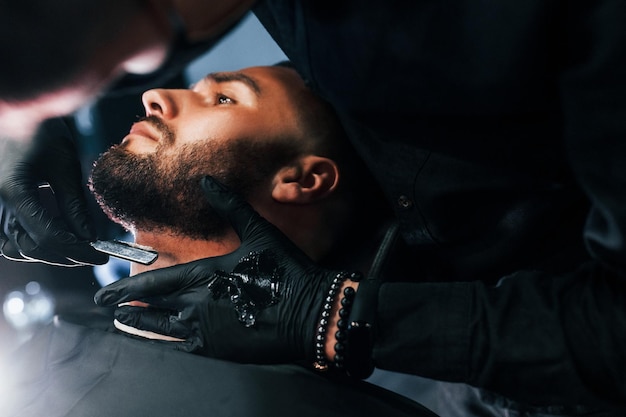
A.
x: 167, y: 133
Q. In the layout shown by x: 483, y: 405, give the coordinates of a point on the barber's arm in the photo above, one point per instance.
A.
x: 536, y: 337
x: 30, y: 231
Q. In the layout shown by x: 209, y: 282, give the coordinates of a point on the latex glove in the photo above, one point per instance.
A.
x: 30, y: 231
x: 258, y: 304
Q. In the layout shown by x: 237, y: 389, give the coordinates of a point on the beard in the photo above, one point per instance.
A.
x: 160, y: 192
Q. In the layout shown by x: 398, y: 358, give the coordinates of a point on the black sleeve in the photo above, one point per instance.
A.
x: 538, y: 339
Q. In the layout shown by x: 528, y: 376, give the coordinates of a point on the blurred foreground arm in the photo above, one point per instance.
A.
x: 29, y: 230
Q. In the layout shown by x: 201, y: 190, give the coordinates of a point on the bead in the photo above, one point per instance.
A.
x: 349, y: 292
x: 340, y: 335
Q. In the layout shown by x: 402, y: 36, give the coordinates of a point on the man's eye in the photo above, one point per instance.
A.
x: 224, y: 100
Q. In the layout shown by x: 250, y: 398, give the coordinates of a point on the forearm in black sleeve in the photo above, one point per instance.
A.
x: 538, y: 339
x: 535, y: 337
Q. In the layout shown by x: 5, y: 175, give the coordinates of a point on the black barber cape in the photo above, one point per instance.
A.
x: 72, y: 370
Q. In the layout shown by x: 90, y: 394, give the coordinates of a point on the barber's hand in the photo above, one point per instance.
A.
x: 258, y: 304
x: 29, y: 230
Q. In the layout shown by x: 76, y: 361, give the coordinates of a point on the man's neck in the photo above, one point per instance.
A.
x: 175, y: 249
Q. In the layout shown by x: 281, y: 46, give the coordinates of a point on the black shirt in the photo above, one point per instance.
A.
x: 496, y: 131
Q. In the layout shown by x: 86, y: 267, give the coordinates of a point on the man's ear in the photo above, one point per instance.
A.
x: 309, y: 179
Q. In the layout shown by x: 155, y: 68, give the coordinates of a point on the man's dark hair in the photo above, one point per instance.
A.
x: 44, y: 44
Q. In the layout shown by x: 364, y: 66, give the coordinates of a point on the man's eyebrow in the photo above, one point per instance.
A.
x: 225, y: 77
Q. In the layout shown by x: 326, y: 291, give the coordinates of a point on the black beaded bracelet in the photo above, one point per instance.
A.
x: 321, y: 363
x: 342, y: 327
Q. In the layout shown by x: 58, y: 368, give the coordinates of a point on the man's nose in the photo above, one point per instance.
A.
x: 159, y: 102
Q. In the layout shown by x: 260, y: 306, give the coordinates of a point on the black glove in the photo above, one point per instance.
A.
x: 30, y: 231
x: 258, y: 304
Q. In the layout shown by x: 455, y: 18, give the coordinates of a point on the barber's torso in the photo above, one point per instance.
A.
x: 455, y: 108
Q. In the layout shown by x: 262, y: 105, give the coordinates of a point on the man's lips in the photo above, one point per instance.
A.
x: 144, y: 129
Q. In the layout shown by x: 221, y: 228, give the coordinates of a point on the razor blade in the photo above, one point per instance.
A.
x: 126, y: 250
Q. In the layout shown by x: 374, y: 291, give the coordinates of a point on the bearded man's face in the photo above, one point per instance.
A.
x: 160, y: 191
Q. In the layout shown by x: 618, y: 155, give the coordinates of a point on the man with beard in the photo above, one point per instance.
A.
x: 149, y: 184
x: 261, y: 132
x: 496, y: 132
x: 290, y: 165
